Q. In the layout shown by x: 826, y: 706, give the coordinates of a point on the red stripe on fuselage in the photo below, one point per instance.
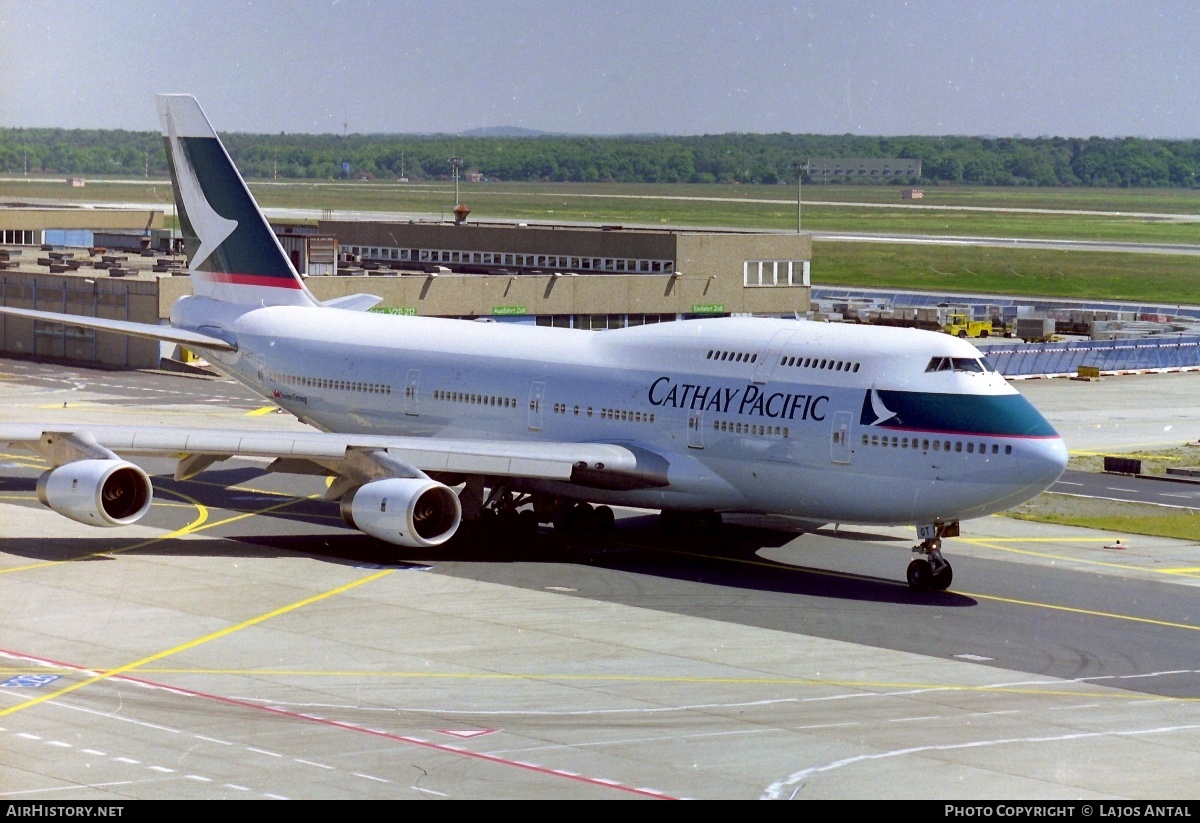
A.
x: 281, y: 282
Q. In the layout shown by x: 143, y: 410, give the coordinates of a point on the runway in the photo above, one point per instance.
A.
x: 246, y: 644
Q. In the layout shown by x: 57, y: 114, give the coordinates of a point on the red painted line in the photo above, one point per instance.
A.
x: 337, y: 724
x: 279, y: 282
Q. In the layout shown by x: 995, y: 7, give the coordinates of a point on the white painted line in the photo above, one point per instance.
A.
x: 198, y: 778
x: 162, y: 769
x: 1155, y: 674
x: 370, y: 777
x: 263, y: 751
x: 128, y: 760
x: 235, y: 787
x: 978, y: 658
x: 428, y: 791
x: 310, y: 763
x: 60, y: 744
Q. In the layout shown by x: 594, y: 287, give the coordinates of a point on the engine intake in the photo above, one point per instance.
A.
x: 97, y: 492
x: 413, y: 512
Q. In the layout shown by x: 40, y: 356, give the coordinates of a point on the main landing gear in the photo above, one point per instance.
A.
x: 501, y: 512
x: 932, y: 571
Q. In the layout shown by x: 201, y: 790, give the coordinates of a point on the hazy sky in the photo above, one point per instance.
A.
x: 1072, y: 68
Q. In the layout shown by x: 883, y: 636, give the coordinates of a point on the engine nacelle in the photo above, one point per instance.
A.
x: 97, y: 492
x: 413, y: 512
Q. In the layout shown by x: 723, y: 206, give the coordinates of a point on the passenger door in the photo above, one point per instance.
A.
x: 536, y: 392
x: 410, y: 392
x: 695, y: 434
x: 839, y: 446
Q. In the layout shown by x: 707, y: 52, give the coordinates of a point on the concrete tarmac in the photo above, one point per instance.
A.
x: 245, y: 644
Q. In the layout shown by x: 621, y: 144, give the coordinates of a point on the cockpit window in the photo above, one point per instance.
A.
x: 967, y: 364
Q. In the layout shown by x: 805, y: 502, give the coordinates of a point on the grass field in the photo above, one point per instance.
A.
x: 1153, y: 278
x: 1110, y: 515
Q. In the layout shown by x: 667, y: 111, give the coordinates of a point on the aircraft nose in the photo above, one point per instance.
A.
x: 1044, y: 461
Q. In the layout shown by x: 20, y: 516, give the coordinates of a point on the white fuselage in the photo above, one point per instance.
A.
x: 740, y: 414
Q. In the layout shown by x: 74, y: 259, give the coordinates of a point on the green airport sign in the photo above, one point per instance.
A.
x: 708, y: 308
x: 407, y: 311
x: 509, y: 310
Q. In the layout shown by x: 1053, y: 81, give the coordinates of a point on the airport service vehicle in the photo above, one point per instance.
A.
x: 961, y: 325
x: 423, y: 423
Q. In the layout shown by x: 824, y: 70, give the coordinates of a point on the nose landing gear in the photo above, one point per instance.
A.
x: 931, y: 571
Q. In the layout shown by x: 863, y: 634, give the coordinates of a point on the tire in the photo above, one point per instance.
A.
x: 604, y: 519
x: 941, y: 580
x: 920, y: 575
x: 669, y: 521
x: 527, y: 522
x: 581, y: 519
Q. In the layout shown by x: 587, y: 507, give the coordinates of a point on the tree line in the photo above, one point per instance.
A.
x: 723, y: 158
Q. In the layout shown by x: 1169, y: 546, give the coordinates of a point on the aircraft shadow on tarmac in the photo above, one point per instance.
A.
x: 729, y: 559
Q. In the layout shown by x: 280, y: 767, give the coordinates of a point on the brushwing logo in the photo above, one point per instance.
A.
x: 874, y: 412
x: 211, y: 228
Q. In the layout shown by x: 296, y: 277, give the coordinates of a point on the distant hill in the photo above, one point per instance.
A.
x: 505, y: 131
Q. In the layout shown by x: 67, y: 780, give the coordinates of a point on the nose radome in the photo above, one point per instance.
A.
x: 1046, y: 460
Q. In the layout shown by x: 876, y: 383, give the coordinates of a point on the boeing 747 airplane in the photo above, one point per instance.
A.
x: 423, y: 423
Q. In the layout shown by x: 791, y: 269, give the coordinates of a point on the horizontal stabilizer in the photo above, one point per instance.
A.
x: 170, y: 334
x: 353, y: 302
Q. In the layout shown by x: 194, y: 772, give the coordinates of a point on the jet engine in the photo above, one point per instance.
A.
x: 413, y: 512
x: 99, y: 492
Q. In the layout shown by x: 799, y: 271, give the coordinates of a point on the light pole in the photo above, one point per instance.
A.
x: 799, y: 168
x: 455, y: 163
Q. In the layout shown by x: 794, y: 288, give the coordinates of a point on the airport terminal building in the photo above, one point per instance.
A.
x: 559, y: 275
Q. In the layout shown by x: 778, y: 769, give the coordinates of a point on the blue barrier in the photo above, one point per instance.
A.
x: 1042, y: 359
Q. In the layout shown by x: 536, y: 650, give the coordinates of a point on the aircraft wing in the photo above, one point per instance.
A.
x: 148, y: 330
x: 356, y: 457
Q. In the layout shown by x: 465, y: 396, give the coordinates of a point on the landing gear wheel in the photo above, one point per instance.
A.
x: 578, y: 519
x: 604, y: 519
x: 670, y: 521
x: 920, y: 575
x: 527, y: 522
x: 941, y: 578
x: 930, y: 570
